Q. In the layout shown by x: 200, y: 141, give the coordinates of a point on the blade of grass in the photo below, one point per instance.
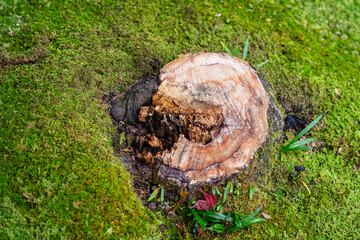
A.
x: 237, y: 220
x: 298, y: 144
x: 305, y: 130
x: 302, y: 148
x: 245, y: 48
x: 297, y: 194
x: 227, y: 189
x: 252, y: 221
x: 236, y: 51
x: 162, y: 195
x: 251, y: 216
x: 226, y: 48
x: 199, y: 219
x: 252, y: 190
x: 154, y: 194
x: 122, y: 138
x: 261, y: 64
x: 217, y: 228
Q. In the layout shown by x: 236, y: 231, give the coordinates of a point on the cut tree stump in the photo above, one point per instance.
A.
x: 210, y: 114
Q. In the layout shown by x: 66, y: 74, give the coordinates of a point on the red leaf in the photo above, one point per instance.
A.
x: 207, y: 204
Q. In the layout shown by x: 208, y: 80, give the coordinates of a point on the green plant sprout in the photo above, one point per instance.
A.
x: 277, y: 195
x: 246, y: 48
x: 210, y: 212
x: 237, y: 191
x: 229, y: 189
x: 122, y: 138
x: 155, y: 193
x: 252, y: 190
x: 295, y: 145
x: 216, y: 219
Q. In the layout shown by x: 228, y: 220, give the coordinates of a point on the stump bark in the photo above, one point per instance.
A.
x: 207, y: 118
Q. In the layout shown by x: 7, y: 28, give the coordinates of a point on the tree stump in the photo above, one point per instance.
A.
x: 207, y: 118
x: 203, y: 120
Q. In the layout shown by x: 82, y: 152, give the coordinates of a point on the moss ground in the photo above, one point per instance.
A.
x: 59, y: 176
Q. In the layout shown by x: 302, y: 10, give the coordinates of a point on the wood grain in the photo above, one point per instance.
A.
x: 222, y: 107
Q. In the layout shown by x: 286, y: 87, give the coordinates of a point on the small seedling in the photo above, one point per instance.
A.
x: 218, y: 192
x: 155, y: 193
x: 229, y: 189
x: 122, y: 138
x: 236, y: 52
x: 277, y: 195
x: 219, y: 208
x: 209, y: 211
x: 245, y: 48
x: 162, y: 195
x: 217, y: 220
x: 295, y: 145
x: 237, y: 191
x: 252, y: 190
x: 261, y: 64
x: 297, y: 194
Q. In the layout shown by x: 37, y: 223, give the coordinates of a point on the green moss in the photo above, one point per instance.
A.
x: 55, y: 139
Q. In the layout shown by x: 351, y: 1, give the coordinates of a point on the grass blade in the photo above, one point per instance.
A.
x: 226, y: 48
x: 250, y: 216
x: 261, y: 64
x: 227, y: 190
x: 245, y: 48
x: 153, y: 195
x: 297, y: 194
x: 302, y: 148
x: 236, y: 51
x: 217, y: 228
x: 228, y: 217
x: 251, y: 221
x: 122, y: 138
x: 201, y: 222
x: 237, y: 221
x: 252, y: 190
x: 218, y: 192
x: 235, y: 227
x: 305, y: 130
x: 216, y: 216
x: 297, y: 144
x: 162, y: 195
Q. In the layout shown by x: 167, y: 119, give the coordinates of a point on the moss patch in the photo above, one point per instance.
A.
x: 58, y: 173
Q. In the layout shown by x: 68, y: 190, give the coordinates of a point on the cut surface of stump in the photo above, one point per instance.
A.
x: 207, y: 119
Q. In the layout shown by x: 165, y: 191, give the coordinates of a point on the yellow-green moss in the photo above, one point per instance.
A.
x: 55, y: 136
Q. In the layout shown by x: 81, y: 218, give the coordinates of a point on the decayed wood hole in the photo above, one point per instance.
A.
x: 207, y: 118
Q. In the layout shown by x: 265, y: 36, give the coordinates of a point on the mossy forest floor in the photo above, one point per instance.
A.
x: 59, y: 176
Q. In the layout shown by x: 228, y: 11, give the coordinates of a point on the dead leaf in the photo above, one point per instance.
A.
x: 183, y: 194
x: 11, y: 32
x: 27, y: 196
x: 268, y: 20
x: 337, y: 91
x: 306, y: 187
x: 265, y: 215
x: 339, y: 150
